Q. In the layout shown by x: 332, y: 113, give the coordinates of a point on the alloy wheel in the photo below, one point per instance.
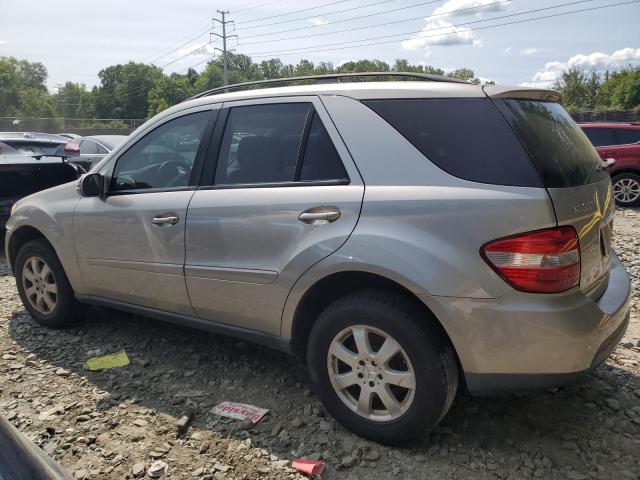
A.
x: 39, y: 285
x: 626, y: 190
x: 371, y: 373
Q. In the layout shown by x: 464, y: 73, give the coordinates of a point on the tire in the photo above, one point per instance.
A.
x: 55, y: 310
x: 626, y: 189
x: 424, y: 350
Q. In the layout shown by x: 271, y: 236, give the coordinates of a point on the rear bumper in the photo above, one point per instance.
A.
x: 525, y: 341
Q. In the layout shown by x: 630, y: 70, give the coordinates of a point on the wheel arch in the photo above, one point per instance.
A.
x: 338, y: 284
x: 635, y: 171
x: 20, y: 237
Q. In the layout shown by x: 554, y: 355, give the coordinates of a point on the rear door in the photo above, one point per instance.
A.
x: 573, y: 173
x: 280, y: 193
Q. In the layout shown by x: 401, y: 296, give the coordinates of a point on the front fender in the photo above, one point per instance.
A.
x: 50, y: 212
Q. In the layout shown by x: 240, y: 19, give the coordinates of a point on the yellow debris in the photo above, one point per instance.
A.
x: 104, y: 362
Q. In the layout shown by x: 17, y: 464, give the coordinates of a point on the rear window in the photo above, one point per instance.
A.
x: 563, y: 154
x: 467, y: 138
x: 35, y: 148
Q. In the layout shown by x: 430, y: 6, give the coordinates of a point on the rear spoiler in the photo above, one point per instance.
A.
x: 496, y: 91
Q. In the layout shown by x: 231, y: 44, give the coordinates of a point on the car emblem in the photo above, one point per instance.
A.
x: 583, y: 207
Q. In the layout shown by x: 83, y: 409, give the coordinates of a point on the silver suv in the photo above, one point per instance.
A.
x: 404, y: 237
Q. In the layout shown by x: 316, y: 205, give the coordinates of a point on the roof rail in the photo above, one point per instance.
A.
x: 328, y: 78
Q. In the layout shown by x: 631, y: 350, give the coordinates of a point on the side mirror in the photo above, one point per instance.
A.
x: 606, y: 163
x: 91, y: 185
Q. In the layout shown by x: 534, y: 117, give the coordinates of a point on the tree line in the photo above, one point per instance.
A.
x: 137, y: 90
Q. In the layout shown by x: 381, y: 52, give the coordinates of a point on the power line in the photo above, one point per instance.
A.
x: 330, y: 13
x: 292, y: 52
x: 366, y: 27
x: 258, y: 5
x: 296, y: 11
x: 182, y: 44
x: 179, y: 40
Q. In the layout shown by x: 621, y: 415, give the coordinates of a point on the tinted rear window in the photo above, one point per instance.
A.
x: 563, y: 154
x: 35, y: 147
x: 467, y: 138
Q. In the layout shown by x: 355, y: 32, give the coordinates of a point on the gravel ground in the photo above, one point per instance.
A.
x: 116, y: 423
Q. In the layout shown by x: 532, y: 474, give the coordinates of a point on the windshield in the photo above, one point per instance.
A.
x: 562, y: 153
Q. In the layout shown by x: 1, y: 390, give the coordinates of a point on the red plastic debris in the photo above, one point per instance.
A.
x: 312, y: 468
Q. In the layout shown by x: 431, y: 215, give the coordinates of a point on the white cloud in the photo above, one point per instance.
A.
x: 546, y: 77
x: 507, y: 49
x: 198, y: 50
x: 318, y: 21
x: 529, y: 51
x: 479, y: 6
x: 441, y: 33
x: 3, y: 42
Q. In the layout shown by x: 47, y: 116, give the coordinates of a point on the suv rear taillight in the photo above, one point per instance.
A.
x: 543, y: 261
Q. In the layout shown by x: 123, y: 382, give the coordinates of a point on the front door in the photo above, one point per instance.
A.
x: 130, y: 244
x: 284, y: 195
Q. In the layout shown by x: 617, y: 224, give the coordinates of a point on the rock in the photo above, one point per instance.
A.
x: 157, y: 469
x: 204, y: 447
x: 182, y: 425
x: 83, y: 418
x: 573, y: 475
x: 296, y: 422
x: 139, y: 422
x: 349, y: 461
x: 138, y: 469
x: 81, y: 474
x: 221, y: 468
x: 372, y: 455
x: 613, y: 403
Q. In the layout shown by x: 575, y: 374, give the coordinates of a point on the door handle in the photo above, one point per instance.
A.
x: 162, y: 221
x: 320, y: 215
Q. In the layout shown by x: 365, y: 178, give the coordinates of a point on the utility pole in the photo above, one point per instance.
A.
x: 224, y: 38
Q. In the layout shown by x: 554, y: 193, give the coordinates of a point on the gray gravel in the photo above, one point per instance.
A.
x: 122, y: 423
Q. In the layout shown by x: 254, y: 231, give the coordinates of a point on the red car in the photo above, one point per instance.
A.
x: 621, y: 142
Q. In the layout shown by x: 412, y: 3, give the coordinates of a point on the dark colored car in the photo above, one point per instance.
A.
x: 21, y: 459
x: 96, y: 147
x: 620, y: 142
x: 32, y: 162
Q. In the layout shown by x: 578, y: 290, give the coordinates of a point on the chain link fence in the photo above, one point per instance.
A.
x: 79, y: 126
x: 623, y: 116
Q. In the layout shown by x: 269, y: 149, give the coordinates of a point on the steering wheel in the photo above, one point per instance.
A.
x: 170, y: 171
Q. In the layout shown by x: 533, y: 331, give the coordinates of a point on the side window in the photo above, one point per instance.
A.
x: 627, y: 136
x: 321, y: 160
x: 88, y: 147
x: 164, y: 157
x: 600, y: 137
x: 101, y: 149
x: 261, y: 143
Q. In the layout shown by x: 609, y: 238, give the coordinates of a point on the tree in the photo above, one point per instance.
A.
x: 579, y: 89
x: 621, y: 90
x: 168, y: 91
x: 125, y: 90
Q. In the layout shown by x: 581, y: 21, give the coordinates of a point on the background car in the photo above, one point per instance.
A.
x: 621, y: 142
x: 95, y: 148
x: 30, y: 166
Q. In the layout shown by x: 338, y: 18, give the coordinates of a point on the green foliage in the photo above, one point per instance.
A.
x: 587, y: 90
x: 137, y: 90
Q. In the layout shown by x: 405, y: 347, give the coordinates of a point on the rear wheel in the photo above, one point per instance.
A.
x: 626, y: 189
x: 43, y: 286
x: 380, y: 368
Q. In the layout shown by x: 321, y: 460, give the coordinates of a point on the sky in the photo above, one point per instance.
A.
x: 74, y: 39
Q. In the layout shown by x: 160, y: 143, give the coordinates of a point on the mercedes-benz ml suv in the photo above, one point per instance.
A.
x: 403, y: 237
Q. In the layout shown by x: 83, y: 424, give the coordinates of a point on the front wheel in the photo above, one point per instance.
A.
x: 43, y: 286
x: 381, y: 369
x: 626, y: 189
